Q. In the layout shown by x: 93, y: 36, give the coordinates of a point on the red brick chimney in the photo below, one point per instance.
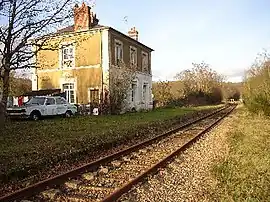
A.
x: 133, y: 33
x: 84, y: 19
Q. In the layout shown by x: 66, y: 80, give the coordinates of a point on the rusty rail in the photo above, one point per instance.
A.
x: 59, y: 179
x: 125, y: 188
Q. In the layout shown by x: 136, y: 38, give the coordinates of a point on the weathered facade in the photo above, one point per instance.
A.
x: 86, y: 52
x: 1, y: 94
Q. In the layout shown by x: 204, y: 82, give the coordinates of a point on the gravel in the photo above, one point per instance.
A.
x: 85, y: 186
x: 64, y: 166
x: 189, y: 177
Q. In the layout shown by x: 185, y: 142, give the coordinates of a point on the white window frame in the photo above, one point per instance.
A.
x: 74, y: 89
x: 144, y: 94
x: 133, y: 92
x: 118, y: 61
x: 133, y: 61
x: 67, y: 46
x: 145, y: 61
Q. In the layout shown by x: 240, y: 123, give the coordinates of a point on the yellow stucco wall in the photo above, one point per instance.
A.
x: 87, y: 50
x: 90, y: 78
x: 85, y: 79
x: 49, y: 80
x: 87, y: 72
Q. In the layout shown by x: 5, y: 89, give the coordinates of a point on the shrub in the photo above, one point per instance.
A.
x: 257, y: 86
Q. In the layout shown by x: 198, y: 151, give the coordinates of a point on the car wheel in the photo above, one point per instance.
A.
x: 68, y: 114
x: 35, y: 116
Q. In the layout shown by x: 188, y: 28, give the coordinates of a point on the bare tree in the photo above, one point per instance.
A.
x: 201, y: 79
x: 23, y: 24
x: 162, y: 92
x: 120, y: 84
x: 17, y: 86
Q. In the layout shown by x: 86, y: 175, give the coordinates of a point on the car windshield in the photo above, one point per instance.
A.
x: 36, y: 101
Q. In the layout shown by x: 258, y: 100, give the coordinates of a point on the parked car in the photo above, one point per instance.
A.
x: 40, y: 106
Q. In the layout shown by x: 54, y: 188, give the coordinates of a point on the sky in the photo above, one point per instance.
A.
x: 226, y: 34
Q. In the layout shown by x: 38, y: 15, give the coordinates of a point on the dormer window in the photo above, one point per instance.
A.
x: 68, y: 58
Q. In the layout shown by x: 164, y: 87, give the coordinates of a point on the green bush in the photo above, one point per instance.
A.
x: 175, y: 102
x: 257, y: 88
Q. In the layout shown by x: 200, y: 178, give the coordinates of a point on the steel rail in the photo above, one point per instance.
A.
x: 59, y: 179
x: 125, y: 188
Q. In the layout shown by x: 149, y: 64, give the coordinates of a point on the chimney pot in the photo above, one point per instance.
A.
x: 133, y: 33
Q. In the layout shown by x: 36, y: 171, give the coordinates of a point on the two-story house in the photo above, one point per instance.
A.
x: 87, y: 50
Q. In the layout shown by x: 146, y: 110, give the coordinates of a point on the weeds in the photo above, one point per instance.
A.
x: 245, y: 174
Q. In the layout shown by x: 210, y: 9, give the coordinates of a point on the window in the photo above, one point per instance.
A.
x: 36, y: 101
x: 144, y: 61
x: 118, y: 52
x: 133, y: 56
x: 133, y: 92
x: 63, y: 101
x: 68, y: 56
x: 50, y: 101
x: 94, y: 96
x: 144, y: 91
x: 60, y: 101
x: 70, y: 92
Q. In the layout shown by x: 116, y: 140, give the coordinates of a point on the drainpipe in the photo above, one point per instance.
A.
x: 101, y: 55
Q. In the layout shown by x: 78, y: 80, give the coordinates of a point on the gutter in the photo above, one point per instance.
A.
x: 126, y: 36
x: 94, y: 29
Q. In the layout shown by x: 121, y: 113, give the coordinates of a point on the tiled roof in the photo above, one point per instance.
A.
x: 66, y: 29
x: 71, y: 28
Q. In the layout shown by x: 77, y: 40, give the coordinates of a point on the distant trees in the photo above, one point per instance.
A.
x: 18, y: 86
x: 162, y: 92
x: 231, y: 91
x: 196, y: 86
x: 201, y: 84
x: 256, y: 93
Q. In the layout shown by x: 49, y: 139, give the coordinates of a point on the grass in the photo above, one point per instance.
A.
x: 245, y: 174
x: 28, y: 145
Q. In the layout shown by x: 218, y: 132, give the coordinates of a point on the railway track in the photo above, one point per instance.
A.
x: 108, y: 178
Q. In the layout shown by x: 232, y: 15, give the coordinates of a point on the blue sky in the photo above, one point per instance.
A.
x: 227, y: 34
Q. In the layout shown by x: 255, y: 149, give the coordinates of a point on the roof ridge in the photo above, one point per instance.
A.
x: 71, y: 28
